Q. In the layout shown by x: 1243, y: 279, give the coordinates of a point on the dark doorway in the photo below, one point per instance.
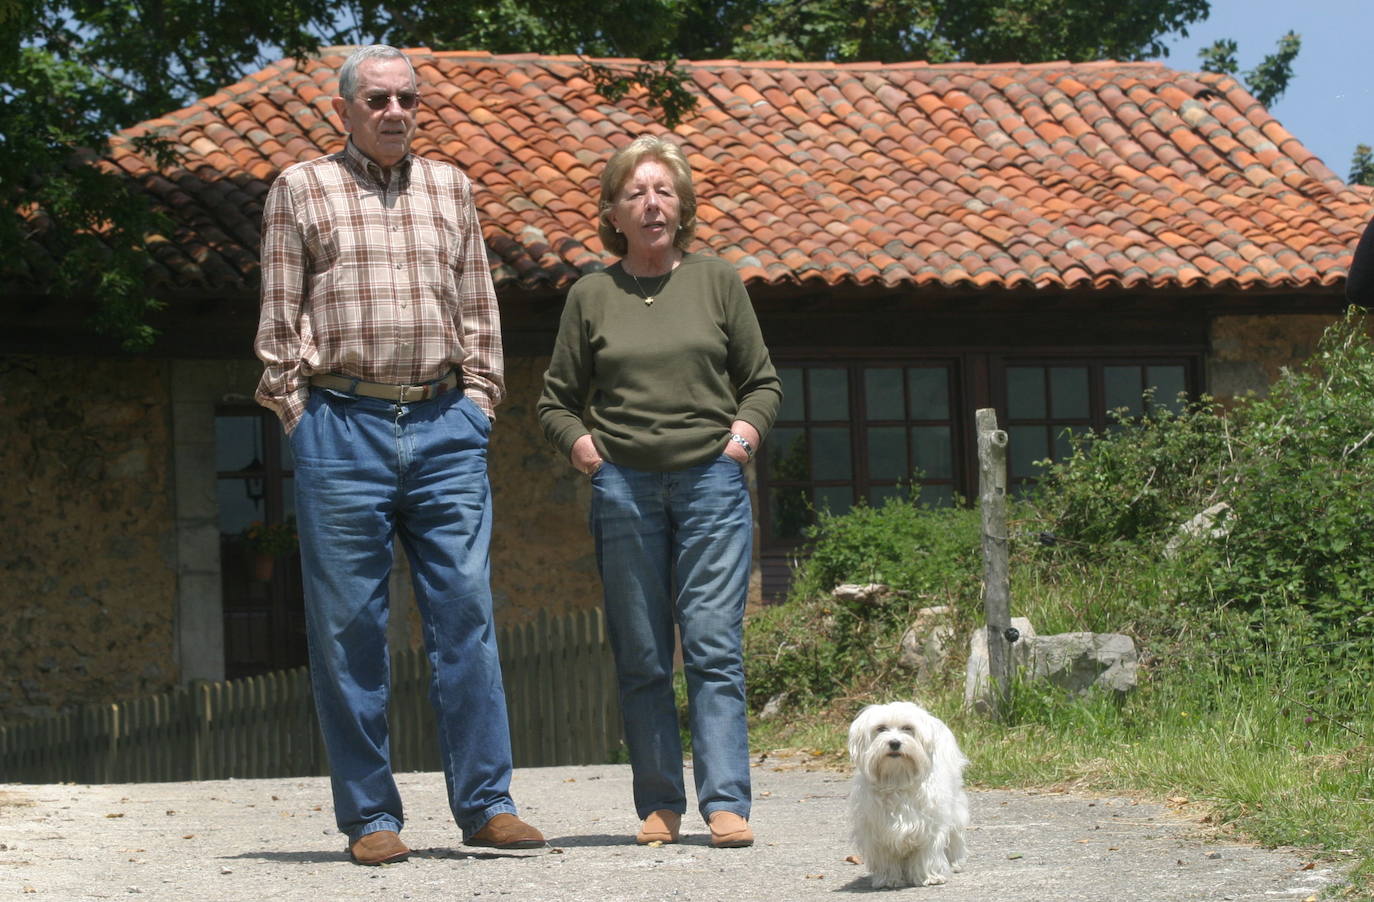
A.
x: 264, y: 614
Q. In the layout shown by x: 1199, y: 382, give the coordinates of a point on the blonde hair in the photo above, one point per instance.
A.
x: 622, y: 165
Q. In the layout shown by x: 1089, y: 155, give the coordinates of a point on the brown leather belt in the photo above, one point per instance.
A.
x: 385, y: 391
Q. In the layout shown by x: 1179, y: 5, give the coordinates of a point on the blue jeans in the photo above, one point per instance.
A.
x: 675, y: 547
x: 366, y: 471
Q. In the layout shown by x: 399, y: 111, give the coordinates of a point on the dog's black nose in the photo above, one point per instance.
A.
x: 894, y: 744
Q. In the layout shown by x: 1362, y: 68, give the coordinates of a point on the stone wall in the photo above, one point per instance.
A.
x: 542, y: 554
x: 1247, y: 352
x: 86, y: 567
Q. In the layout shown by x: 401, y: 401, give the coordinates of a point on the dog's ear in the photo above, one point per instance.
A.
x: 858, y: 733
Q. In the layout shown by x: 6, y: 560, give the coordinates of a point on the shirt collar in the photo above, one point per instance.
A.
x: 367, y: 169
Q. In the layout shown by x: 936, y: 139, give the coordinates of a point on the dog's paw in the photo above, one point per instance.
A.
x: 885, y: 881
x: 934, y: 880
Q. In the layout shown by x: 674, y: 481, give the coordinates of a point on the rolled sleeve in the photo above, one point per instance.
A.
x: 283, y: 387
x: 480, y: 326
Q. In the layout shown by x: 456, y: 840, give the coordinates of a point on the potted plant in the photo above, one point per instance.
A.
x: 267, y: 542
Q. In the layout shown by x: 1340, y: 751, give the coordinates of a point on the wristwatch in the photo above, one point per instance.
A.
x: 743, y: 443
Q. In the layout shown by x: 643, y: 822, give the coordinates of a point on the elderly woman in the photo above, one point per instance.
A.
x: 660, y: 390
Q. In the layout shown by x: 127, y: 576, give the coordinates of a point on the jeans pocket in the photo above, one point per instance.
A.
x: 480, y: 421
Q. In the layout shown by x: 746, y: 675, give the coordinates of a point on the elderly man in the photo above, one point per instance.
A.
x: 381, y: 342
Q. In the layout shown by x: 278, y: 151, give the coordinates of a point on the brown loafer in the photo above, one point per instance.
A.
x: 381, y: 847
x: 730, y: 831
x: 661, y: 826
x: 506, y: 831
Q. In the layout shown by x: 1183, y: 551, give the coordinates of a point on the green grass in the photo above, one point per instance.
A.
x: 1249, y: 726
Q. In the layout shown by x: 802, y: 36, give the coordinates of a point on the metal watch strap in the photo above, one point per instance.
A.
x: 743, y: 443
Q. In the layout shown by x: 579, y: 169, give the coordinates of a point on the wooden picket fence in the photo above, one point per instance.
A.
x: 560, y: 693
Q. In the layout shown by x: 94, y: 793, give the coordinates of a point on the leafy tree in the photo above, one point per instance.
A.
x: 1269, y: 79
x: 72, y: 72
x: 1362, y: 166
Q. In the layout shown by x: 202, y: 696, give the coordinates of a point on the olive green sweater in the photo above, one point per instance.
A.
x: 657, y: 387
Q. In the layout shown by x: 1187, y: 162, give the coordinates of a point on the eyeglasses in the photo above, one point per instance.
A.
x: 407, y: 100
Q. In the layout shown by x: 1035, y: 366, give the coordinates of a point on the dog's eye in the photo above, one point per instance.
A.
x: 880, y: 728
x: 909, y: 729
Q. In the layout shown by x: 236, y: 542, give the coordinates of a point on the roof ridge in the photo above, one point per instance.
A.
x: 866, y: 174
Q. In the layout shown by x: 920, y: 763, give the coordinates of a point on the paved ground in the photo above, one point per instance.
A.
x: 235, y: 841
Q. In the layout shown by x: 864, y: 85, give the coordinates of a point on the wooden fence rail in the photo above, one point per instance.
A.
x: 560, y: 691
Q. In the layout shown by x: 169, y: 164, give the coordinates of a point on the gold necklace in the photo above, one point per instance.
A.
x: 649, y: 298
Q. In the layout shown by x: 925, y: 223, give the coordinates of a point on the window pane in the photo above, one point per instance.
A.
x: 883, y: 394
x: 830, y: 454
x: 887, y: 453
x: 929, y: 393
x: 1121, y: 388
x: 238, y: 443
x: 236, y: 508
x: 835, y: 498
x: 933, y: 451
x: 1026, y: 392
x: 1026, y: 444
x: 1069, y: 392
x: 791, y: 511
x: 937, y: 495
x: 879, y: 495
x: 1168, y: 382
x: 829, y: 394
x: 793, y: 401
x: 786, y: 450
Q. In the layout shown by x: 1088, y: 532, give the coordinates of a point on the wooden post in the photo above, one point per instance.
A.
x: 992, y: 501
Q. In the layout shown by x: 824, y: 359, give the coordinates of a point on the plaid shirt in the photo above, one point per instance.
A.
x: 383, y: 282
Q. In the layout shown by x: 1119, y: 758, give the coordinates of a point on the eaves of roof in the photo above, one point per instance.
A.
x: 907, y: 177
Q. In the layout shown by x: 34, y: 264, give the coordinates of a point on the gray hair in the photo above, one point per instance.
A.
x: 622, y: 165
x: 348, y: 72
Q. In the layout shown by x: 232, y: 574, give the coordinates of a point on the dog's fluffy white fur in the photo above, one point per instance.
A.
x: 907, y: 807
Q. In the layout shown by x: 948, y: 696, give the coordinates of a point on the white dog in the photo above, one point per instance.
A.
x: 907, y: 808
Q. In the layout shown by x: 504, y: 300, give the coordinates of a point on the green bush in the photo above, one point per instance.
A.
x: 1296, y: 469
x: 1301, y: 529
x: 1135, y: 482
x: 812, y: 644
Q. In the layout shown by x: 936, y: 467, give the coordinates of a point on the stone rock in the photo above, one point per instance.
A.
x: 927, y: 643
x: 1203, y: 525
x: 774, y: 706
x: 1082, y: 662
x: 976, y: 674
x: 869, y: 593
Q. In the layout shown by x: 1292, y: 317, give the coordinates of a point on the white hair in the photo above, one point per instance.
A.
x: 348, y: 72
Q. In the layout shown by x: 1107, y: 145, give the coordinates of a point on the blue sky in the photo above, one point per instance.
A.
x: 1329, y: 104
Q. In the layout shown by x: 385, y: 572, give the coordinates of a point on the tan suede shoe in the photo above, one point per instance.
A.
x: 381, y: 847
x: 506, y: 831
x: 730, y: 831
x: 661, y: 826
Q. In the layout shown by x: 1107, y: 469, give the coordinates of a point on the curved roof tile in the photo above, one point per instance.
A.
x: 1089, y: 176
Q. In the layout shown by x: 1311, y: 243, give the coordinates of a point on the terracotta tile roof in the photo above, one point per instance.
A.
x: 1048, y: 177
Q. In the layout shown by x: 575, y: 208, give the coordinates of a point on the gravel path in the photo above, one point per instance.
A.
x: 275, y: 839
